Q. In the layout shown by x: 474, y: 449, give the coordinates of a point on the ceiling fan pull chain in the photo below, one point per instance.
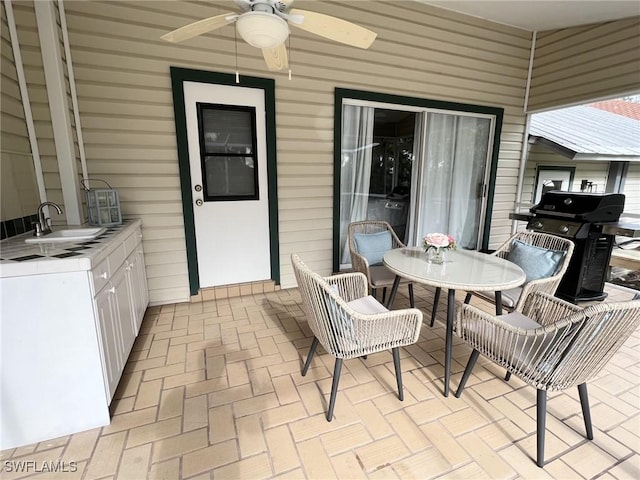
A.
x: 289, y: 56
x: 235, y: 43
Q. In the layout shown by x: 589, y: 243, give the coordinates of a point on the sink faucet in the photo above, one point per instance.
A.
x: 42, y: 227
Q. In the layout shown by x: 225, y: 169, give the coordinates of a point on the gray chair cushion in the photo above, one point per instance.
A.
x: 509, y: 297
x: 367, y: 305
x: 536, y: 262
x: 373, y: 246
x: 381, y: 276
x: 516, y: 319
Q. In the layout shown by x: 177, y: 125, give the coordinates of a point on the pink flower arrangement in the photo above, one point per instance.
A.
x: 438, y: 240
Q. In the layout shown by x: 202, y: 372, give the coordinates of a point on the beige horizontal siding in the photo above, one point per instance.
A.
x: 632, y: 189
x: 577, y: 65
x: 122, y: 74
x: 18, y: 193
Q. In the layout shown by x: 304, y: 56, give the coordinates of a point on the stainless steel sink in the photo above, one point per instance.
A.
x: 69, y: 235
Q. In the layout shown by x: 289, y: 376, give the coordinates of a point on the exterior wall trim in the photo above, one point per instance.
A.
x: 178, y: 77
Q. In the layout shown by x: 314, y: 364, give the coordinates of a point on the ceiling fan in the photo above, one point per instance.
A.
x: 265, y: 24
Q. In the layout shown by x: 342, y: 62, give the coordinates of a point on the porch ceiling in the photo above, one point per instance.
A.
x: 543, y: 15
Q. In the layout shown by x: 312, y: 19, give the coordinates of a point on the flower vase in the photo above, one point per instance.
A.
x: 435, y: 255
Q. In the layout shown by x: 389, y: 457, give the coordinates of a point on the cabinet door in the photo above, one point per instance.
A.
x: 125, y: 313
x: 137, y: 281
x: 111, y: 338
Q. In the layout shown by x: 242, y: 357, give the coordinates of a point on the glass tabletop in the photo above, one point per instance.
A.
x: 462, y: 269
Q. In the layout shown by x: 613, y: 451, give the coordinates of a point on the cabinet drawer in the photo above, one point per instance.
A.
x: 131, y: 242
x: 101, y: 275
x: 116, y: 258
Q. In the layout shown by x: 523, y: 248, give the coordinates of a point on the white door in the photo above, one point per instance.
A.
x: 229, y: 181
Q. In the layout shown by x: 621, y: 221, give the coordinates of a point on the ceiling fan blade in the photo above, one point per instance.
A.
x: 199, y: 27
x: 334, y: 29
x: 276, y: 58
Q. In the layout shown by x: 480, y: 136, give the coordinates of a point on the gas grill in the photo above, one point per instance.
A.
x: 590, y: 220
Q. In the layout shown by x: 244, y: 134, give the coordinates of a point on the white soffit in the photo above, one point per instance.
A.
x: 541, y: 15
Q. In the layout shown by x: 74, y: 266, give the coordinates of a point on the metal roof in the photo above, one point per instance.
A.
x: 588, y: 132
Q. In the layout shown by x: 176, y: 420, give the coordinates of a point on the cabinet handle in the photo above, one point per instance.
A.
x: 104, y: 275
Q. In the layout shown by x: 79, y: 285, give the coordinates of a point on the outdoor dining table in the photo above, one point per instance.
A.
x: 467, y: 270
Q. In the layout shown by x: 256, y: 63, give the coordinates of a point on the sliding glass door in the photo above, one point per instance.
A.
x: 451, y: 184
x: 421, y: 169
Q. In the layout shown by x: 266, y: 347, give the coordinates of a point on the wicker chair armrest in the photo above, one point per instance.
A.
x: 544, y: 308
x: 485, y: 333
x: 351, y: 334
x: 472, y: 319
x: 387, y: 330
x: 544, y: 285
x: 531, y: 354
x: 501, y: 253
x: 360, y: 264
x: 350, y: 286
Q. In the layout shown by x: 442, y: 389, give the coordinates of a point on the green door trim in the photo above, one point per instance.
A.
x: 343, y: 93
x: 178, y: 77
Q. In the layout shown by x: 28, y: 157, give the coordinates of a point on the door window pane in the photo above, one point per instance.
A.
x: 230, y: 176
x: 228, y: 152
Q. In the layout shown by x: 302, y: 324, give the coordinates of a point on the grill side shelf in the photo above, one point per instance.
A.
x: 622, y: 229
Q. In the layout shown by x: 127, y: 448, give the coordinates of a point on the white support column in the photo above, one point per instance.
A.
x: 59, y: 106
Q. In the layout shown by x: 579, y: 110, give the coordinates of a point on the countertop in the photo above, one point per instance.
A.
x: 19, y: 259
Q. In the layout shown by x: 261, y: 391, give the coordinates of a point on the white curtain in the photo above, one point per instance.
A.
x: 452, y: 177
x: 357, y: 146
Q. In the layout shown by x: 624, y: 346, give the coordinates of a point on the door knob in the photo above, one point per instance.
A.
x: 199, y: 202
x: 198, y: 188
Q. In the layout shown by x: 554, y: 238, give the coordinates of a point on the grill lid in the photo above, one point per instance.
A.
x: 581, y: 206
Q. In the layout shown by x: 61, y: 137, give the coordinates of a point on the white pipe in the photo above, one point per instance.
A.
x: 528, y: 86
x: 525, y: 138
x: 54, y: 74
x: 523, y: 164
x: 74, y: 93
x: 26, y: 104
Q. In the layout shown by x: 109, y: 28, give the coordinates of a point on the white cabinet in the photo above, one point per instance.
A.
x: 68, y: 326
x: 111, y: 338
x: 120, y: 304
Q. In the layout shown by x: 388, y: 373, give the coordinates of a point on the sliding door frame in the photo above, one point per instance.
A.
x: 411, y: 103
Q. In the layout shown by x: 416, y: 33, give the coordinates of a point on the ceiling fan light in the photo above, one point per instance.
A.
x: 262, y: 29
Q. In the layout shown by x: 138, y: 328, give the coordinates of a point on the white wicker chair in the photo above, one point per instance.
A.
x: 551, y: 345
x: 349, y: 324
x: 378, y: 276
x: 514, y: 299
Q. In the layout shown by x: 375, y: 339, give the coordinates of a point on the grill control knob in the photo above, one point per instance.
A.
x: 564, y: 229
x: 537, y: 225
x: 568, y: 201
